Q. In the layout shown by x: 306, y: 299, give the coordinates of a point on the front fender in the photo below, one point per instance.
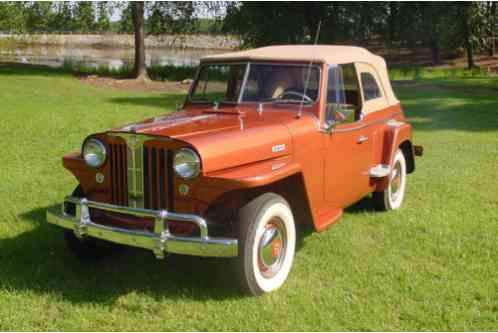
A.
x: 255, y: 174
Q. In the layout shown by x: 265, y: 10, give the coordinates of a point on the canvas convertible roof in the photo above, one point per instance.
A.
x: 328, y: 54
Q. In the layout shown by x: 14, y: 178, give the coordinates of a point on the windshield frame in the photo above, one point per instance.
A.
x: 248, y: 64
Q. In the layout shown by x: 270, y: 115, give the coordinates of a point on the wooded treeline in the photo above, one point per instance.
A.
x: 446, y: 29
x: 95, y: 17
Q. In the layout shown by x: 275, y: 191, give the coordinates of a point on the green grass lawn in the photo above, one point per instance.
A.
x: 433, y: 265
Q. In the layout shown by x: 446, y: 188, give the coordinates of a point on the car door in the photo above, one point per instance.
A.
x: 349, y: 146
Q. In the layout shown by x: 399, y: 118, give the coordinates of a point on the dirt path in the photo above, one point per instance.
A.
x: 135, y: 85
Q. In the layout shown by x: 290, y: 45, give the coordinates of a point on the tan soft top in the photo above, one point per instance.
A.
x: 328, y: 54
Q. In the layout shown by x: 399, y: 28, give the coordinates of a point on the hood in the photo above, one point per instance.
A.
x: 224, y: 138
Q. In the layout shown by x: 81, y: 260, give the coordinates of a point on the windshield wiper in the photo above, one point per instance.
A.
x: 283, y: 100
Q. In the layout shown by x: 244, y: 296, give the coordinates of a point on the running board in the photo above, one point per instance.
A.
x: 380, y: 171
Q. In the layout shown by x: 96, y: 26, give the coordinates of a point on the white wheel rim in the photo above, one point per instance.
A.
x: 272, y: 248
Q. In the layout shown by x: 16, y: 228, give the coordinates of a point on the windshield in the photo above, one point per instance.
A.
x: 218, y: 83
x: 265, y: 83
x: 284, y: 83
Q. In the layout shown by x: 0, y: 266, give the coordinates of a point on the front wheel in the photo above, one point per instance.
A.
x: 392, y: 197
x: 267, y: 241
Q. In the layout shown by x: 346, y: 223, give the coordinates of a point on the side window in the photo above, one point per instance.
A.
x: 370, y: 87
x: 343, y: 94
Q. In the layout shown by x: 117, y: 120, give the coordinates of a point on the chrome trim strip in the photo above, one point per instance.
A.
x: 360, y: 126
x: 159, y: 241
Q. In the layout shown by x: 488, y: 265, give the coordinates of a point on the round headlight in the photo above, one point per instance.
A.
x: 187, y: 163
x: 94, y: 153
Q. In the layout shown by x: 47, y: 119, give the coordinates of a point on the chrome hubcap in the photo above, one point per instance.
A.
x: 272, y: 248
x: 396, y: 181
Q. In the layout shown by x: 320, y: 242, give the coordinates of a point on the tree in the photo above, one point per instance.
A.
x: 126, y: 21
x: 39, y: 16
x: 170, y: 17
x: 139, y: 25
x: 492, y: 13
x: 103, y: 21
x: 63, y: 18
x: 84, y: 17
x: 12, y: 18
x: 470, y: 18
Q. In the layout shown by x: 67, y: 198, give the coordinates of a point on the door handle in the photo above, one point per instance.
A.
x: 362, y: 139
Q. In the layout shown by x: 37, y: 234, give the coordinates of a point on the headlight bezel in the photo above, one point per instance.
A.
x: 196, y: 160
x: 103, y: 151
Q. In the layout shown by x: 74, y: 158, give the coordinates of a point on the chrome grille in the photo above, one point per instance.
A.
x: 140, y: 176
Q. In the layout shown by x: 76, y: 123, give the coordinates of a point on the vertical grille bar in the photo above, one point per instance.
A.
x: 162, y: 180
x: 156, y: 181
x: 118, y: 167
x: 147, y: 193
x: 124, y: 179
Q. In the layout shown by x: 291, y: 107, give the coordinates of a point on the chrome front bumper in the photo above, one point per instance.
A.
x: 160, y: 241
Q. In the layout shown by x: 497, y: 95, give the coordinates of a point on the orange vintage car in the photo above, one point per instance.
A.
x: 267, y: 139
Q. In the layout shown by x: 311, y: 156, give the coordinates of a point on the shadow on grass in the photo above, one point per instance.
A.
x: 365, y: 205
x: 430, y: 108
x: 38, y: 261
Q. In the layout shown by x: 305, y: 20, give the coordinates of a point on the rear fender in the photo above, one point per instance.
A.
x: 396, y: 134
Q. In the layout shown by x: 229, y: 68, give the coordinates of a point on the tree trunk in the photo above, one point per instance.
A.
x: 467, y: 35
x: 470, y: 54
x: 138, y: 22
x: 492, y: 28
x: 435, y: 51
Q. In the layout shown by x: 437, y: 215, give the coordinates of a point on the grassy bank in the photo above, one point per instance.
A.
x: 430, y: 266
x: 156, y: 72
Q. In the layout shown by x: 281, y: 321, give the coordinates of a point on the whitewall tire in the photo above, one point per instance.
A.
x: 392, y: 197
x: 267, y: 242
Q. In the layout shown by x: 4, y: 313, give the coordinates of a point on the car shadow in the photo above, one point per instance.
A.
x: 365, y: 205
x: 38, y: 261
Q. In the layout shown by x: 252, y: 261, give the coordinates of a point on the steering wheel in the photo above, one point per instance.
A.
x: 295, y: 93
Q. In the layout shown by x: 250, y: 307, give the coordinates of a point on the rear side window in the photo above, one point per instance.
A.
x: 370, y: 87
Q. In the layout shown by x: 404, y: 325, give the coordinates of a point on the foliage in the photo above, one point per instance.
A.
x: 39, y: 16
x: 12, y: 19
x: 442, y: 27
x: 84, y: 17
x: 170, y: 17
x: 103, y: 20
x: 431, y: 266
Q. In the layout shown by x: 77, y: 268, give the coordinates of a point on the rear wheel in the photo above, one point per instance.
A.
x: 88, y: 248
x: 267, y: 240
x: 392, y: 197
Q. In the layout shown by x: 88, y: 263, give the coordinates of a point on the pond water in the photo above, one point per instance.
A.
x: 55, y: 56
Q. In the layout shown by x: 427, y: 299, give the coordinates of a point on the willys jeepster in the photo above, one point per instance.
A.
x: 266, y: 139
